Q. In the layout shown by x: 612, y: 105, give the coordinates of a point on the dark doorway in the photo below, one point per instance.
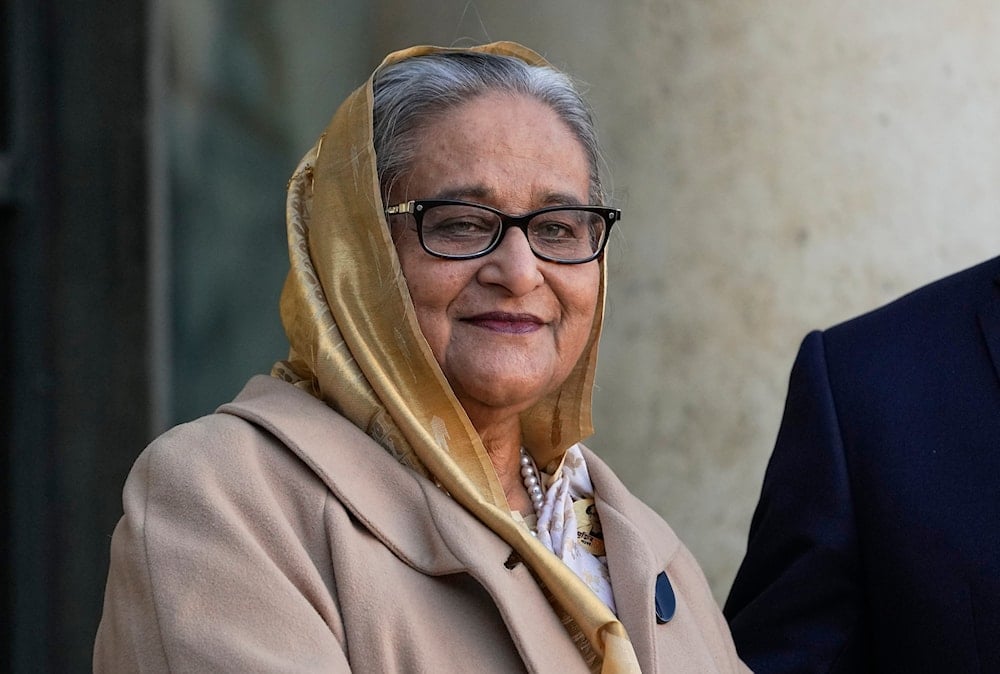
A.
x: 74, y: 336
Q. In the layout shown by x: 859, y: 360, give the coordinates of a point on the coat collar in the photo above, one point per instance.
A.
x: 354, y: 468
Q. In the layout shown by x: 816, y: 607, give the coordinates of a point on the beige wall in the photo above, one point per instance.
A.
x: 783, y: 165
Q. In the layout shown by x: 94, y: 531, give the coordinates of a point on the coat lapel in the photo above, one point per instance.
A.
x: 634, y: 559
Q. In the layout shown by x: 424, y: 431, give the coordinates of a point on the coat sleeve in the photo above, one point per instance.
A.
x: 216, y: 563
x: 796, y: 603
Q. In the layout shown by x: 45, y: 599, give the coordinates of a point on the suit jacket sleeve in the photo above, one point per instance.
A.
x: 796, y: 602
x: 213, y: 565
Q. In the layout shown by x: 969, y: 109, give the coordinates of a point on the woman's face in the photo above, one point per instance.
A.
x: 506, y: 328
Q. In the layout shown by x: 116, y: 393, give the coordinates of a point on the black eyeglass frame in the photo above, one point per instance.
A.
x: 418, y: 207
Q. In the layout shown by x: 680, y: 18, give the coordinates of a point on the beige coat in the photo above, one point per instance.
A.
x: 274, y: 536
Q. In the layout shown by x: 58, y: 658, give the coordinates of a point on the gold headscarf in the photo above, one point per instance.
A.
x: 356, y: 344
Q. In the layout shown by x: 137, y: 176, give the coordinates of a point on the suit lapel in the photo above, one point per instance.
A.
x: 989, y: 322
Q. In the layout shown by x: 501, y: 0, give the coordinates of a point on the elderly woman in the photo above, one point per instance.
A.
x: 406, y: 492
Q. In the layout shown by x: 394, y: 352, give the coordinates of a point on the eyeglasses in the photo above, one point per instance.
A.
x: 458, y: 230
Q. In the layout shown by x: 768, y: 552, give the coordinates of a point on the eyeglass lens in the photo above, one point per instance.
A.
x: 563, y: 234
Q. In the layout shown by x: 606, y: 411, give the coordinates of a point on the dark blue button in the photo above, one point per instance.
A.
x: 666, y: 602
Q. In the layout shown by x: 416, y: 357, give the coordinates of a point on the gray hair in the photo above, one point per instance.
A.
x: 414, y: 93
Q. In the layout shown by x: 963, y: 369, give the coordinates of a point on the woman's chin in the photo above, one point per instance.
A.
x: 499, y: 399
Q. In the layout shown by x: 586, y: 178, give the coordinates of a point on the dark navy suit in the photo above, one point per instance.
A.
x: 876, y: 542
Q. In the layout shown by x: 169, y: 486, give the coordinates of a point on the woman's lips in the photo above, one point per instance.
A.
x: 517, y: 324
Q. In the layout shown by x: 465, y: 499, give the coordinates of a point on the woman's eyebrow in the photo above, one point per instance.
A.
x: 485, y: 194
x: 465, y: 192
x: 562, y: 199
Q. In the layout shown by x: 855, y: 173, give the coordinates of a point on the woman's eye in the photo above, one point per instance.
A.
x: 555, y: 229
x: 460, y: 227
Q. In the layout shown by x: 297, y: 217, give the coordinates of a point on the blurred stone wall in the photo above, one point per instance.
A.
x: 782, y: 166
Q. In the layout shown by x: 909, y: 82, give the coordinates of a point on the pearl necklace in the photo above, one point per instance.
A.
x: 531, y: 482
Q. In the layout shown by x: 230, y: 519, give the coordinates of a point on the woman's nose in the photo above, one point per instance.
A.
x: 512, y: 264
